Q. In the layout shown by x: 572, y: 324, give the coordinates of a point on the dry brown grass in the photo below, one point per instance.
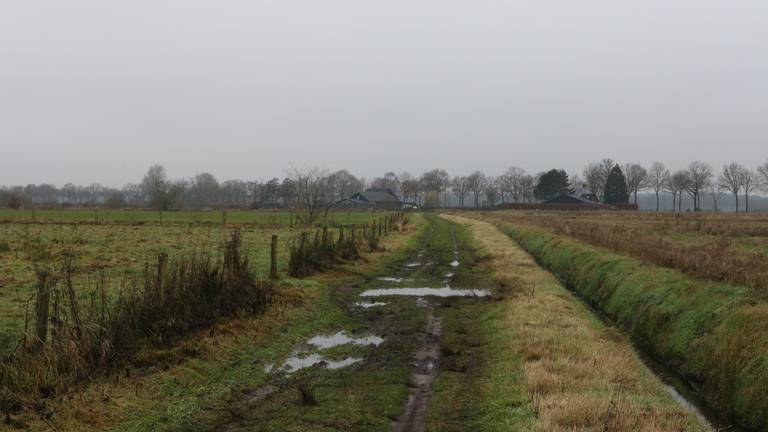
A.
x: 732, y: 248
x: 580, y: 374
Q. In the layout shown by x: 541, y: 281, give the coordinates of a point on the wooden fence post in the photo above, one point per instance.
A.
x: 273, y: 258
x: 42, y: 305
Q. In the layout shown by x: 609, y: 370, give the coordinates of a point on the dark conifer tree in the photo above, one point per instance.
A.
x: 616, y: 190
x: 552, y: 184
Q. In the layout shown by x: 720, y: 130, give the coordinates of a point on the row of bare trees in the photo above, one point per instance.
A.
x: 314, y: 190
x: 697, y: 180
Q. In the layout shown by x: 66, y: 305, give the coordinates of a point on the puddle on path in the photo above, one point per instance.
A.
x: 341, y: 338
x: 423, y: 292
x: 298, y: 362
x: 368, y: 305
x: 302, y: 359
x: 413, y: 264
x: 390, y: 279
x: 455, y: 263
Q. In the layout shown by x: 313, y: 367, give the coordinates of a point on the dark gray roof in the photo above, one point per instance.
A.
x: 377, y: 195
x: 568, y: 198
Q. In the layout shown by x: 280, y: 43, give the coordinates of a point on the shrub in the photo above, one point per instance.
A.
x: 91, y: 332
x: 322, y: 253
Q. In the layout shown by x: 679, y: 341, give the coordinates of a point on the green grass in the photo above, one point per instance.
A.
x: 712, y: 333
x: 204, y: 395
x: 480, y: 385
x: 120, y: 250
x: 249, y: 217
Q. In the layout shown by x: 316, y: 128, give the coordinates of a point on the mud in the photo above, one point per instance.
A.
x: 425, y: 371
x: 298, y: 362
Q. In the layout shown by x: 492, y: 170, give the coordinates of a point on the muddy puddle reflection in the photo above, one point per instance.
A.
x: 425, y: 292
x: 305, y: 358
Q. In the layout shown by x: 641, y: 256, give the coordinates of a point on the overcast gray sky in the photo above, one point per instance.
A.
x: 99, y: 90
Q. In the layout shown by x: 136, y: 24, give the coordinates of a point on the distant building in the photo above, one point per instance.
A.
x: 352, y: 203
x: 581, y: 195
x: 382, y: 199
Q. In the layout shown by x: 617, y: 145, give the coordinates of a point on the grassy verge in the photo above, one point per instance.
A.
x: 212, y: 379
x: 549, y: 365
x: 712, y: 333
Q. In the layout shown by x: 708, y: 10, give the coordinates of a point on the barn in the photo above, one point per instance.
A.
x: 381, y: 199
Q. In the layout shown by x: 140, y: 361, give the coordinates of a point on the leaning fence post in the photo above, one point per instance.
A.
x: 41, y: 305
x: 273, y: 258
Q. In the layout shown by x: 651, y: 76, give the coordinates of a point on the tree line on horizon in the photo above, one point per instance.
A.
x: 610, y: 182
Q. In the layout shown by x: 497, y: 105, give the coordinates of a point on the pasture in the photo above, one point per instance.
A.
x: 690, y: 290
x: 118, y: 244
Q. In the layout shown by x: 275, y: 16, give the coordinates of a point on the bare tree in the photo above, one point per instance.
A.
x: 410, y: 187
x: 389, y: 181
x: 596, y: 175
x: 460, y: 187
x: 492, y: 193
x: 762, y: 171
x: 343, y: 184
x: 476, y: 183
x: 658, y: 180
x: 700, y: 175
x: 749, y: 182
x: 160, y: 192
x: 205, y: 191
x: 436, y: 181
x: 636, y: 177
x: 527, y: 185
x: 731, y: 178
x: 677, y: 185
x: 716, y: 192
x: 310, y: 187
x: 511, y: 182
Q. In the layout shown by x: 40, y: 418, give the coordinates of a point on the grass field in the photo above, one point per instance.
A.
x: 718, y: 247
x: 123, y: 242
x: 243, y: 217
x: 688, y: 288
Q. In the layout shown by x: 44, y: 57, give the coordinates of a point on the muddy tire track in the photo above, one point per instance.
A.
x: 425, y: 370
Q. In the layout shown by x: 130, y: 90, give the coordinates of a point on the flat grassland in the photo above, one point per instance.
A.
x: 119, y: 244
x: 692, y: 289
x: 715, y: 246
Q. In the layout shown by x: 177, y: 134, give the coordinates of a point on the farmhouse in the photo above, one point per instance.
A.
x: 383, y: 199
x: 580, y: 196
x: 352, y: 203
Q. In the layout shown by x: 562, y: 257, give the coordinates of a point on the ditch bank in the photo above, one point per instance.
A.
x: 714, y: 335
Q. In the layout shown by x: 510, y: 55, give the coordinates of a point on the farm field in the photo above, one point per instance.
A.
x: 689, y: 289
x: 122, y: 243
x: 245, y: 217
x: 504, y: 346
x: 717, y: 247
x: 351, y: 349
